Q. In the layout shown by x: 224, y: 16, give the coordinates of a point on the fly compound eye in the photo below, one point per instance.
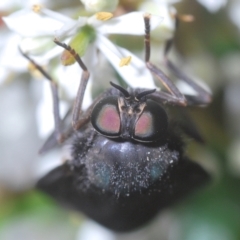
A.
x: 105, y: 117
x: 152, y: 124
x: 144, y: 125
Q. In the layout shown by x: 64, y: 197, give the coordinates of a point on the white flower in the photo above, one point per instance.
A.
x: 44, y: 23
x: 134, y: 74
x: 52, y: 24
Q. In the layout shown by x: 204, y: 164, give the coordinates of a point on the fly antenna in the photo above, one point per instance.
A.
x: 121, y: 89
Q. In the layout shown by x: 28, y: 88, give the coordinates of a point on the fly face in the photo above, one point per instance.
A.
x: 127, y: 160
x: 130, y: 117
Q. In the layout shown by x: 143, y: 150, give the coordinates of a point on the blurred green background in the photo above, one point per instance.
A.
x: 210, y: 47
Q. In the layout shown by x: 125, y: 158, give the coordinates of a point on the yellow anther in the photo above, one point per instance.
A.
x: 186, y: 18
x: 125, y: 61
x: 37, y: 8
x: 103, y: 16
x: 183, y: 17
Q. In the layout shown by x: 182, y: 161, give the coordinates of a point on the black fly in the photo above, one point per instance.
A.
x: 127, y: 156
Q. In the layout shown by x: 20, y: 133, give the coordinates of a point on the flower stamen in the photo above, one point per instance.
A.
x: 103, y: 16
x: 125, y: 61
x: 37, y: 8
x: 186, y: 17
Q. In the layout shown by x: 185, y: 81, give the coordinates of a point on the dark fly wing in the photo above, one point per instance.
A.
x: 187, y: 177
x: 57, y: 183
x: 123, y: 213
x: 182, y: 118
x: 49, y: 144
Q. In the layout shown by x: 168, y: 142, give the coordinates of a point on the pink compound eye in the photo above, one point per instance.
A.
x: 108, y: 120
x: 105, y: 117
x: 144, y: 125
x: 152, y: 125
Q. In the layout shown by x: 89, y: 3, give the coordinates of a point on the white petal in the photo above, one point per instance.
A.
x: 48, y: 55
x: 135, y: 74
x: 3, y: 75
x: 131, y: 23
x: 7, y: 5
x: 100, y: 5
x: 44, y: 113
x: 166, y: 29
x: 70, y: 27
x: 91, y: 230
x: 166, y: 1
x: 69, y: 80
x: 55, y: 15
x: 30, y: 24
x: 93, y: 21
x: 234, y: 13
x: 213, y: 5
x: 10, y: 58
x: 42, y: 49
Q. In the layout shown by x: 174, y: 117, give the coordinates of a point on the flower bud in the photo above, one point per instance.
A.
x: 79, y: 43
